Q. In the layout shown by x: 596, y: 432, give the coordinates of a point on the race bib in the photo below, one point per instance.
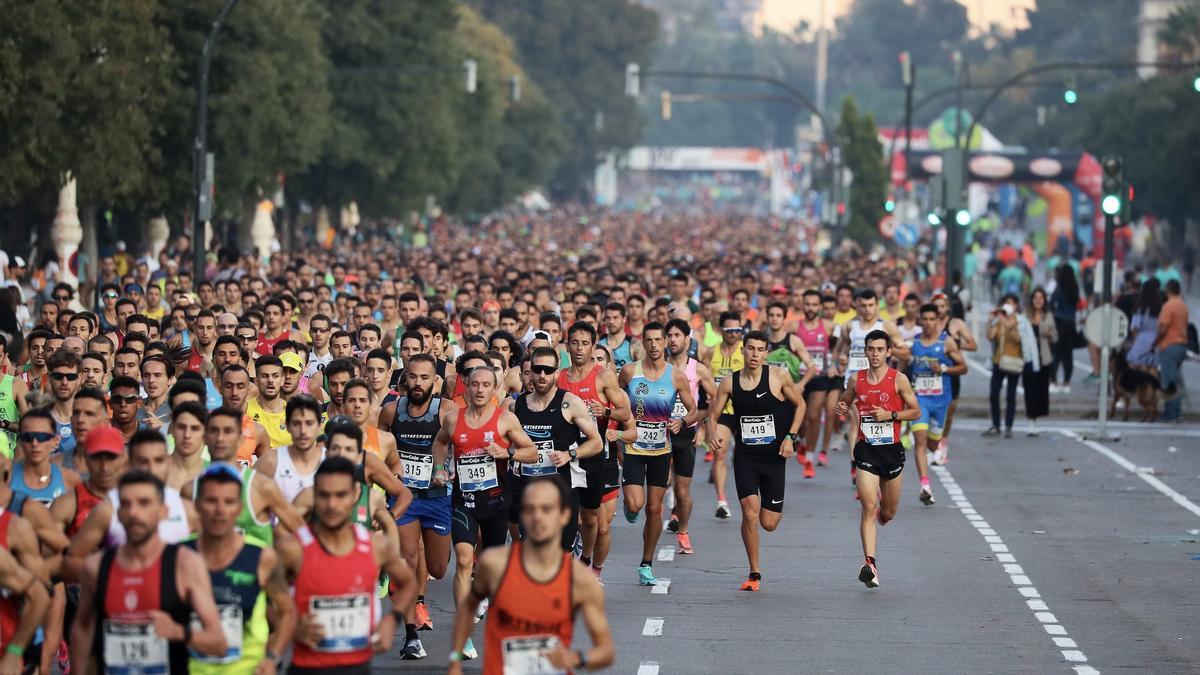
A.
x: 651, y: 436
x: 757, y: 429
x: 543, y: 466
x: 524, y: 655
x: 476, y: 473
x: 346, y: 620
x: 232, y: 626
x: 928, y: 385
x: 133, y: 648
x: 680, y: 410
x: 878, y: 433
x: 418, y: 470
x: 857, y: 362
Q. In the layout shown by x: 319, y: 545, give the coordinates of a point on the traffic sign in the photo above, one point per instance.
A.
x: 906, y: 235
x: 1118, y: 327
x: 887, y: 226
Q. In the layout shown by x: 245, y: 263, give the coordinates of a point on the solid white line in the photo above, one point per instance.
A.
x: 647, y: 668
x: 653, y: 627
x: 666, y: 554
x: 1129, y: 466
x: 1017, y: 576
x: 662, y: 587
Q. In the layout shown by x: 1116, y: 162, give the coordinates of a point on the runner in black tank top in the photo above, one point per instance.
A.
x: 550, y: 432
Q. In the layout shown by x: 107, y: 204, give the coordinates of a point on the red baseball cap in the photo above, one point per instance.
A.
x: 105, y: 439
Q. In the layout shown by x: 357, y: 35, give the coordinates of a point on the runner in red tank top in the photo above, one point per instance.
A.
x: 598, y: 387
x: 883, y: 398
x: 121, y: 587
x: 19, y: 617
x: 535, y: 592
x: 334, y: 565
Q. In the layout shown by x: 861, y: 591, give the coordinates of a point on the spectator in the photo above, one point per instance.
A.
x: 1143, y: 327
x: 1171, y: 343
x: 1036, y: 377
x: 1009, y: 356
x: 1063, y: 303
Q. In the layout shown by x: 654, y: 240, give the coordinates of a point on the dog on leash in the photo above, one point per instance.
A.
x: 1131, y: 384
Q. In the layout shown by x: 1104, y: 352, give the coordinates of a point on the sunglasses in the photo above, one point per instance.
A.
x: 124, y: 400
x: 247, y: 338
x: 112, y: 296
x: 733, y: 330
x: 59, y: 377
x: 543, y: 370
x: 221, y: 469
x: 62, y: 298
x: 34, y: 436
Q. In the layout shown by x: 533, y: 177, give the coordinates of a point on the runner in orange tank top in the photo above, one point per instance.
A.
x: 535, y: 592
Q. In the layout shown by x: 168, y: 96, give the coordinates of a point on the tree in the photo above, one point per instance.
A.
x: 862, y: 154
x: 1181, y: 33
x: 577, y: 52
x: 397, y: 85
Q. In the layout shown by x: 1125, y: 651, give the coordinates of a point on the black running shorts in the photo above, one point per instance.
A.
x: 757, y: 474
x: 885, y: 461
x: 955, y: 386
x: 467, y: 527
x: 654, y: 471
x: 683, y: 452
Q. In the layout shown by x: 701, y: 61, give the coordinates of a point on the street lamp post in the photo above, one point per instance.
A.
x: 202, y: 189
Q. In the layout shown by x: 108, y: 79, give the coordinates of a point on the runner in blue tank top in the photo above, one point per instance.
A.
x: 935, y: 358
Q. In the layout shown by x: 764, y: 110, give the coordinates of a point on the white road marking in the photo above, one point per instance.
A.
x: 653, y: 627
x: 1140, y: 472
x: 1066, y: 646
x: 666, y: 554
x: 662, y: 587
x: 1059, y: 425
x: 647, y: 668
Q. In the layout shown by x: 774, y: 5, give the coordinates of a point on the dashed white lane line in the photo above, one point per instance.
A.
x: 666, y: 554
x: 662, y: 587
x: 1041, y: 612
x: 653, y: 626
x: 1140, y: 472
x: 647, y: 668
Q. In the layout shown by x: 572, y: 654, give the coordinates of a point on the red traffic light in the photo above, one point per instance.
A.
x: 841, y: 208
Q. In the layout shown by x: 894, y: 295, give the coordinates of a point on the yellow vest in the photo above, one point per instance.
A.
x: 274, y: 423
x: 723, y: 366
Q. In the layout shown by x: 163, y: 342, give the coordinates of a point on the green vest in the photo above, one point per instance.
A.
x: 241, y: 606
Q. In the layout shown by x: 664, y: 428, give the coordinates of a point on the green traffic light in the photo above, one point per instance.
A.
x: 1110, y: 205
x: 934, y: 219
x: 889, y: 206
x: 1070, y: 96
x: 963, y: 217
x: 1196, y: 83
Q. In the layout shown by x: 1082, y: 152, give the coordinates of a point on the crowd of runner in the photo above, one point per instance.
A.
x: 219, y: 475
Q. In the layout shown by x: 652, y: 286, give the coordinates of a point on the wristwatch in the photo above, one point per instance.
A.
x: 795, y: 438
x: 894, y: 415
x: 582, y: 659
x: 573, y: 453
x: 511, y: 452
x: 275, y: 658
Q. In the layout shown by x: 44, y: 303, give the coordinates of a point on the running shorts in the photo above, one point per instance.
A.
x: 595, y: 467
x: 933, y: 417
x: 468, y: 526
x: 651, y: 470
x: 822, y: 383
x: 757, y: 474
x: 432, y: 512
x: 885, y: 461
x: 683, y: 452
x: 955, y: 386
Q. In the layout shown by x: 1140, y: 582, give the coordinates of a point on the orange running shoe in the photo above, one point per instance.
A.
x: 809, y: 470
x: 685, y: 543
x: 423, y: 621
x: 708, y: 455
x: 751, y: 584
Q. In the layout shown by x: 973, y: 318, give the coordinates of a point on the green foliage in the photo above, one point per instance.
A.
x: 863, y: 156
x: 577, y: 51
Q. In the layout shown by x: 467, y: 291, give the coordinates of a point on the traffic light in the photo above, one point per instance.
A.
x: 963, y: 217
x: 934, y: 218
x: 1069, y: 93
x: 889, y: 205
x: 1196, y: 84
x: 1112, y: 185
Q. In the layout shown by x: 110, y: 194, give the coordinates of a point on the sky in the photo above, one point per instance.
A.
x: 784, y: 14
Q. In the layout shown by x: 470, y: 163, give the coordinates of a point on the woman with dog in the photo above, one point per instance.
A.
x: 1036, y: 377
x: 1143, y: 327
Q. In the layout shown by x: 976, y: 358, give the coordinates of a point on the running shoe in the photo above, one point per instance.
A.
x: 469, y: 652
x: 423, y: 621
x: 992, y: 431
x: 926, y: 496
x: 708, y: 455
x: 673, y: 524
x: 809, y: 471
x: 62, y: 658
x: 413, y: 650
x: 1092, y: 378
x: 869, y: 575
x: 479, y: 613
x: 577, y: 545
x: 646, y: 576
x: 801, y: 453
x: 822, y: 459
x: 631, y: 516
x: 685, y: 543
x: 941, y: 456
x: 723, y: 511
x: 750, y: 585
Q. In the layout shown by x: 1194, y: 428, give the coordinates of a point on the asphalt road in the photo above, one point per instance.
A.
x: 1042, y: 555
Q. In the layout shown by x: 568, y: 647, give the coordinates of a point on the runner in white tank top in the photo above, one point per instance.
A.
x: 291, y: 482
x: 172, y: 529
